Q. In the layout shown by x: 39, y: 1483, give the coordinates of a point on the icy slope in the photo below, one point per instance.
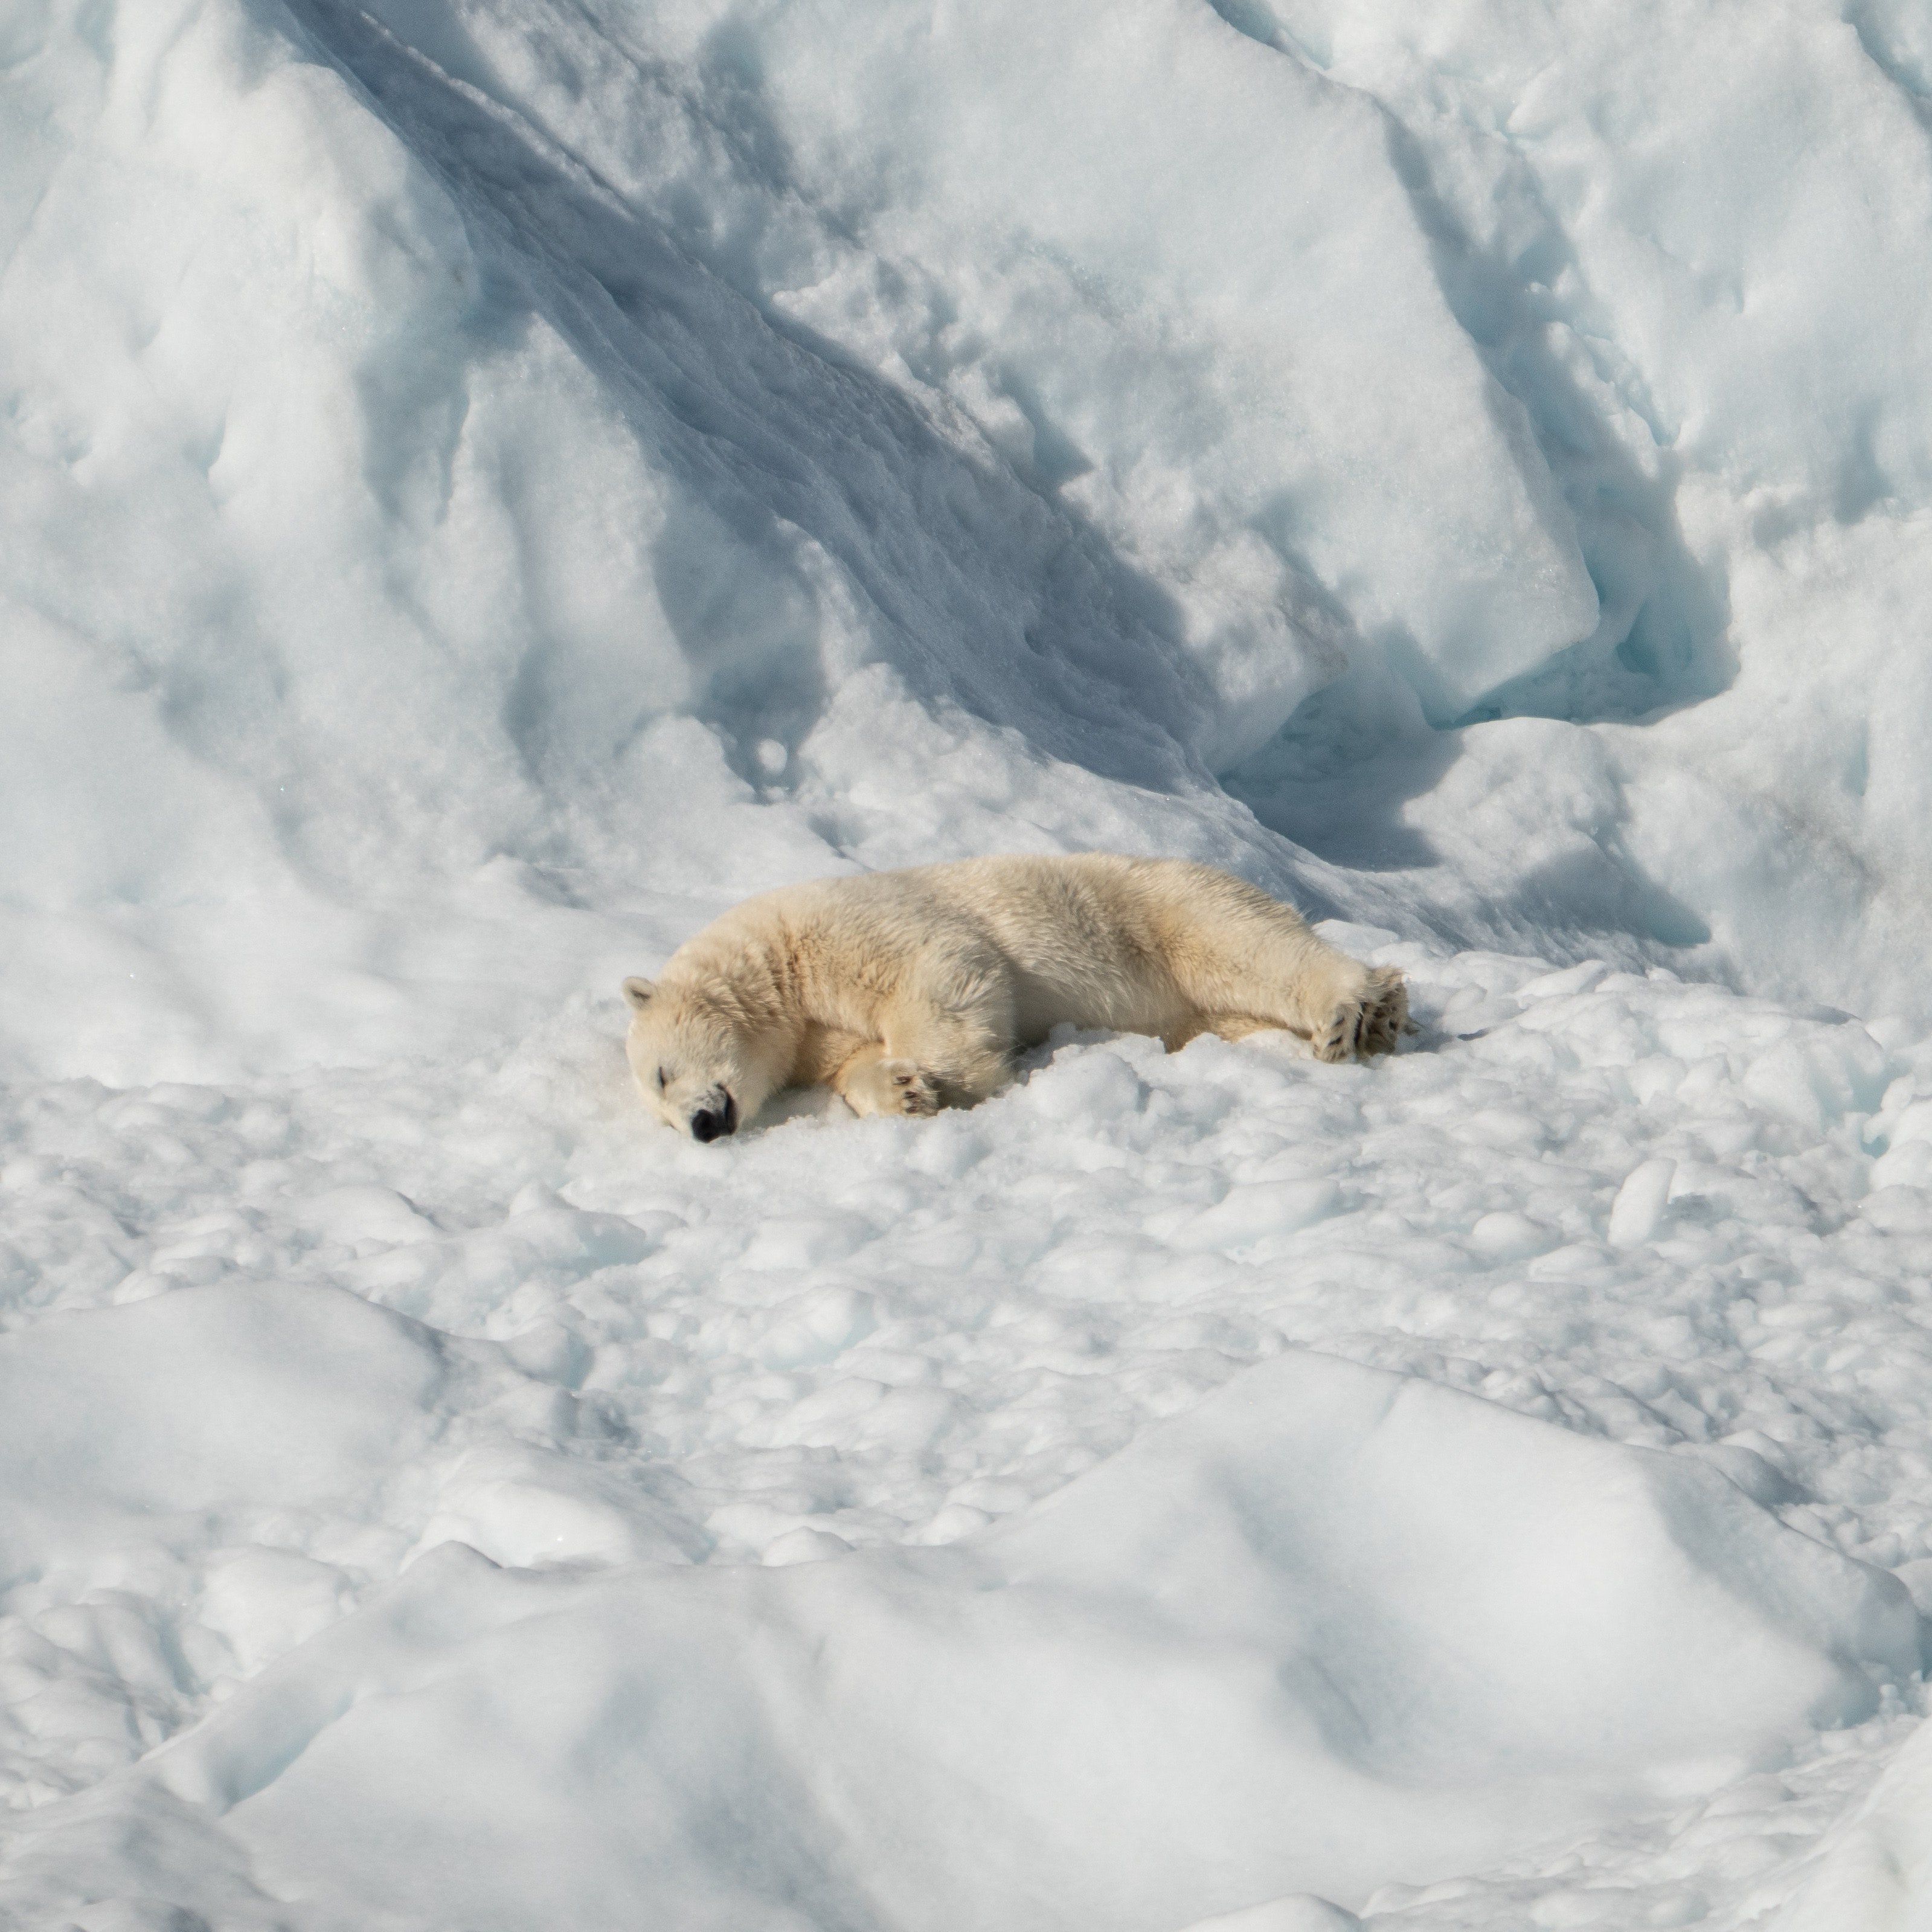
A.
x: 481, y: 477
x: 1693, y: 240
x: 392, y: 499
x: 1877, y: 1874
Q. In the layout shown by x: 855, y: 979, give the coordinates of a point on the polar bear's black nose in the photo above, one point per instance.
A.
x: 719, y: 1115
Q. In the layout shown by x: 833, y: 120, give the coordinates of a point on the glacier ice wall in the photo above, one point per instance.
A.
x: 1690, y: 239
x: 487, y: 480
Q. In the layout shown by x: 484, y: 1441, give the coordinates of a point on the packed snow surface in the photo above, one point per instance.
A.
x: 1451, y: 1488
x: 487, y: 483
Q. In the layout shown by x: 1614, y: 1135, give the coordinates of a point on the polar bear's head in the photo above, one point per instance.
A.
x: 694, y: 1059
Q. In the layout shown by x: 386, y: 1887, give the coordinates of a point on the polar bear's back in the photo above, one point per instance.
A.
x: 1096, y: 902
x: 1095, y: 939
x: 1101, y: 940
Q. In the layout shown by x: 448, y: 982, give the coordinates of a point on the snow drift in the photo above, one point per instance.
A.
x: 1335, y: 1626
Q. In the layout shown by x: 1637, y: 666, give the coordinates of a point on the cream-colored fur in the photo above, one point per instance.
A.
x: 908, y: 991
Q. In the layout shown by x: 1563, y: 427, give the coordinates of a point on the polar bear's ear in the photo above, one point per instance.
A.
x: 638, y: 992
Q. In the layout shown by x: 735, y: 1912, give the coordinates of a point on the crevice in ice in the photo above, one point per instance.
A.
x: 1660, y: 643
x: 1886, y: 32
x: 1344, y: 782
x: 1257, y: 21
x: 1345, y: 776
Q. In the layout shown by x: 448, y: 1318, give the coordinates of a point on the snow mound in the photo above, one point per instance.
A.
x: 1335, y: 1625
x: 1876, y: 1872
x: 108, y: 1430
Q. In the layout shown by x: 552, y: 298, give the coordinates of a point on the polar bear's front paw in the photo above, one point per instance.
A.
x: 911, y: 1091
x: 1370, y: 1022
x: 884, y: 1086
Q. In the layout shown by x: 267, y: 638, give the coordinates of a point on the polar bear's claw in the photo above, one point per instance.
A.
x: 1385, y: 1013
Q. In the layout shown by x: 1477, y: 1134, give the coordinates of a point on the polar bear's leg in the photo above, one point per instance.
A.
x: 1371, y: 1025
x: 1224, y: 1026
x: 1346, y: 1009
x: 1343, y: 1008
x: 946, y: 1033
x: 855, y: 1069
x: 1255, y: 964
x: 965, y: 1053
x: 936, y: 1050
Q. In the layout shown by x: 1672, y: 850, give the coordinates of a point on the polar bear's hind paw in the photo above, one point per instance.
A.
x: 1337, y: 1041
x: 1370, y: 1023
x: 1385, y: 1011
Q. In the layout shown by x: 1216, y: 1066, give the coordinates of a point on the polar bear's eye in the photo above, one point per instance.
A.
x: 662, y: 1082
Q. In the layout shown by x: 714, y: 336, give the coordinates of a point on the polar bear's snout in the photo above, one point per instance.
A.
x: 716, y: 1113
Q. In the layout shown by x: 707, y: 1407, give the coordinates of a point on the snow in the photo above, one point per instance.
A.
x: 1876, y: 1870
x: 1214, y: 1580
x: 488, y: 484
x: 376, y: 1440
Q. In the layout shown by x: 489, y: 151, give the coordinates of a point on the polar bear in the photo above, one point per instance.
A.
x: 908, y: 991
